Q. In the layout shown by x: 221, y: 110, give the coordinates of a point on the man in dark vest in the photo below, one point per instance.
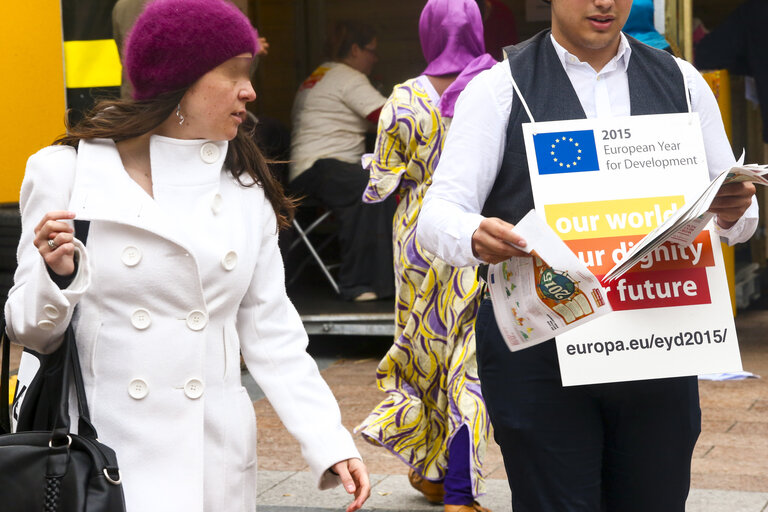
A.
x: 618, y: 447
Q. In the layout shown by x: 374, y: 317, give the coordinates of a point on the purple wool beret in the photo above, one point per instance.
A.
x: 175, y: 42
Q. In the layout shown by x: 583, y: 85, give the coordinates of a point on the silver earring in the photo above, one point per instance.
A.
x: 179, y: 114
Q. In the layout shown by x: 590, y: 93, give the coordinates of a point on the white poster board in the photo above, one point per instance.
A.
x: 602, y: 184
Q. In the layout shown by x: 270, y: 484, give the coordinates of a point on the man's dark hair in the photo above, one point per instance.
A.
x: 345, y: 34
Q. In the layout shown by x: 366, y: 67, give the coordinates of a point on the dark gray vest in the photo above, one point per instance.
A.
x: 656, y: 86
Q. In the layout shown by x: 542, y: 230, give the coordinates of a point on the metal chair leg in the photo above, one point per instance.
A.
x: 310, y: 247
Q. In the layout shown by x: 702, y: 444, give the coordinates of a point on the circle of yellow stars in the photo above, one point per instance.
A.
x: 565, y: 164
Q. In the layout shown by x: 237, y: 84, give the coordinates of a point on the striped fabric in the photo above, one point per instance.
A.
x: 430, y: 373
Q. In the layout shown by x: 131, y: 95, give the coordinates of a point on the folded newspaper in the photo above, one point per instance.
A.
x: 536, y: 298
x: 685, y: 224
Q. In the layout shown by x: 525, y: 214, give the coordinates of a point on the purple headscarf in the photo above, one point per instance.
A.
x: 451, y: 34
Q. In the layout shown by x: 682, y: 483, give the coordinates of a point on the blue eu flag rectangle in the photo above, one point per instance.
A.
x: 561, y: 152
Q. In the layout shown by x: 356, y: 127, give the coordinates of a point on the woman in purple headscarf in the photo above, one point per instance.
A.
x: 433, y: 417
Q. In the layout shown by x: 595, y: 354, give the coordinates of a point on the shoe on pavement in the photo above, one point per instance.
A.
x: 366, y: 297
x: 474, y: 507
x: 433, y: 491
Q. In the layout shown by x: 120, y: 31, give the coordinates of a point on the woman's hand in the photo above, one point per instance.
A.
x: 53, y: 239
x: 354, y: 478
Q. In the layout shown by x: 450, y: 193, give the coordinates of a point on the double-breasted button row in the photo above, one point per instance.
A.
x: 193, y: 388
x: 141, y: 319
x: 229, y: 261
x: 217, y: 204
x: 52, y: 313
x: 197, y: 320
x: 209, y: 152
x: 139, y: 389
x: 131, y: 256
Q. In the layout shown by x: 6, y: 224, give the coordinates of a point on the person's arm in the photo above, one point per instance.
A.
x: 38, y: 310
x: 451, y: 225
x: 373, y: 117
x: 362, y: 98
x: 273, y: 343
x: 735, y: 205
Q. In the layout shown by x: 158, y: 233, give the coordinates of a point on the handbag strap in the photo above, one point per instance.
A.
x: 72, y: 373
x: 5, y: 377
x: 84, y: 426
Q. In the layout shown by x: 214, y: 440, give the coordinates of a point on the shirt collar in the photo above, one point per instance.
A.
x: 620, y: 61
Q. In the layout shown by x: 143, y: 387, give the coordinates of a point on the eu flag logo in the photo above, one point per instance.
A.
x: 561, y: 152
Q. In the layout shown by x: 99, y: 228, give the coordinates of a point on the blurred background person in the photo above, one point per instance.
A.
x: 738, y: 44
x: 334, y: 108
x: 640, y: 25
x: 433, y: 417
x: 500, y: 28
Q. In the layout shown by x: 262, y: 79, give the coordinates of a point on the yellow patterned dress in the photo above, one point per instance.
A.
x: 430, y: 373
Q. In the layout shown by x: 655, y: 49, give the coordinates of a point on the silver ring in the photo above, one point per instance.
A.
x: 52, y: 245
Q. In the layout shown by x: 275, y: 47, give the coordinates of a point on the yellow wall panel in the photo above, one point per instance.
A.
x: 92, y: 63
x: 32, y: 94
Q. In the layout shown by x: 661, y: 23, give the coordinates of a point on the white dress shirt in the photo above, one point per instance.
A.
x: 474, y: 148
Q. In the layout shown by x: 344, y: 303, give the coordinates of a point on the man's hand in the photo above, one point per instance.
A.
x: 354, y: 478
x: 491, y: 241
x: 731, y: 202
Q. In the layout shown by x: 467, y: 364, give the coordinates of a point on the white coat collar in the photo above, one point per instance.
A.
x: 103, y: 190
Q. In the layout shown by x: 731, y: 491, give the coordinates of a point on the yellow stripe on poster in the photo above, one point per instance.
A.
x: 92, y: 63
x: 621, y: 217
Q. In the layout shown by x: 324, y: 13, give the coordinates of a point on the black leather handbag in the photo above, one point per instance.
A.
x: 56, y: 470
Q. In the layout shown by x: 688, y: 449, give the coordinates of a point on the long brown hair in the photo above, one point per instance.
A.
x: 125, y: 119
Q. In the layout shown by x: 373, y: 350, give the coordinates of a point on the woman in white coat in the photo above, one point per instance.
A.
x: 181, y: 273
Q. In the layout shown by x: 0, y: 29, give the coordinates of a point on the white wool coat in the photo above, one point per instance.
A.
x: 169, y: 291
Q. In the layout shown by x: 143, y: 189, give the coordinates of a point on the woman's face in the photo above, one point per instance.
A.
x: 214, y: 107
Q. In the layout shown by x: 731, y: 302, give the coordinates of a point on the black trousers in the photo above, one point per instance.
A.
x: 619, y: 447
x: 365, y: 230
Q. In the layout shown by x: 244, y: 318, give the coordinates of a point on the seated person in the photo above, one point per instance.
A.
x: 333, y: 110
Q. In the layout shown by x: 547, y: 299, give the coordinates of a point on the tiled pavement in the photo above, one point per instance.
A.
x: 730, y: 465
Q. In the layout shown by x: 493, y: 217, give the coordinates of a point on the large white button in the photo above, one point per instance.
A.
x: 193, y: 389
x: 51, y: 311
x: 196, y: 320
x: 141, y: 319
x: 229, y: 261
x: 131, y: 256
x: 46, y: 325
x: 216, y: 203
x: 209, y: 152
x: 138, y: 389
x: 572, y: 59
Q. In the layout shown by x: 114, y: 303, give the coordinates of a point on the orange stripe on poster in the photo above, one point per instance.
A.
x: 620, y: 217
x: 601, y: 254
